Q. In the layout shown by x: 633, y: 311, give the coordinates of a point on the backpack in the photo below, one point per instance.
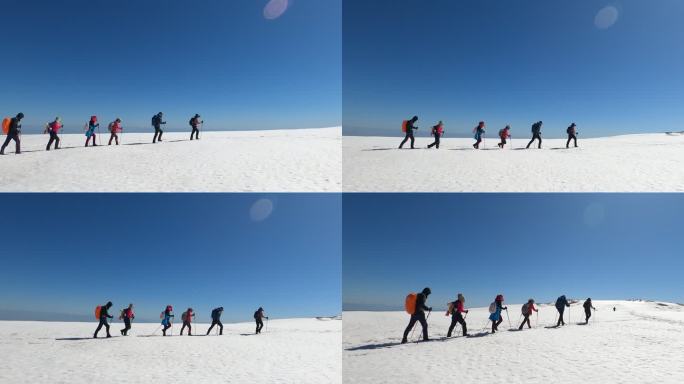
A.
x: 214, y: 314
x: 98, y: 311
x: 6, y: 124
x: 190, y: 122
x: 492, y: 307
x: 410, y: 303
x: 161, y: 315
x: 184, y: 316
x: 154, y: 120
x: 403, y: 125
x: 450, y: 308
x: 110, y: 126
x: 122, y: 314
x: 256, y: 315
x: 525, y: 309
x: 536, y: 128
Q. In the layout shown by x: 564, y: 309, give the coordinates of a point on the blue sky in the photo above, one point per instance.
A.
x: 604, y: 246
x: 63, y: 254
x: 611, y: 70
x: 131, y: 59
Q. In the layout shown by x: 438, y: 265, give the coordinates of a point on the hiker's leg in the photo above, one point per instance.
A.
x: 461, y: 320
x: 404, y: 141
x: 410, y: 325
x: 452, y: 325
x: 220, y: 327
x: 413, y: 139
x: 424, y: 324
x: 567, y: 143
x: 182, y: 328
x: 99, y: 326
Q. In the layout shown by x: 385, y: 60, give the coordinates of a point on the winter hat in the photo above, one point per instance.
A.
x: 499, y: 298
x: 427, y: 291
x: 461, y: 298
x: 109, y: 304
x: 20, y: 116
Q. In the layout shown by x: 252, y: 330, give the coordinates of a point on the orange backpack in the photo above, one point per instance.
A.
x: 98, y: 310
x: 403, y: 126
x: 410, y: 304
x: 5, y: 125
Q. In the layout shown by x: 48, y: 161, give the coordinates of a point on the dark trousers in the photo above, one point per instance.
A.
x: 409, y: 135
x: 115, y: 137
x: 216, y: 322
x: 420, y: 317
x: 167, y: 326
x: 127, y: 326
x: 53, y: 138
x: 457, y: 318
x: 502, y: 143
x: 561, y: 321
x: 259, y: 325
x: 157, y: 132
x: 587, y: 313
x: 12, y: 135
x: 477, y: 143
x: 495, y: 324
x: 92, y: 136
x: 526, y: 319
x: 103, y: 322
x: 186, y: 324
x: 535, y: 136
x: 195, y: 132
x: 436, y: 143
x: 571, y: 137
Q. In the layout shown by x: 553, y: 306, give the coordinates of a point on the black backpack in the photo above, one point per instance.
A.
x: 191, y: 122
x: 256, y: 315
x: 155, y: 120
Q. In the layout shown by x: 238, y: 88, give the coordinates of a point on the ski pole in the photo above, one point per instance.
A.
x: 537, y: 319
x: 155, y: 331
x: 509, y: 319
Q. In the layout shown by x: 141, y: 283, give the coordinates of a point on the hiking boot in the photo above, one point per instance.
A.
x: 404, y: 341
x: 122, y: 332
x: 108, y: 336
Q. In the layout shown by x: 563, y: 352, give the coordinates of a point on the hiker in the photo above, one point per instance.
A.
x: 561, y: 303
x: 504, y: 134
x: 127, y: 315
x: 13, y: 133
x: 479, y: 132
x: 588, y: 306
x: 187, y: 318
x: 527, y: 309
x: 194, y: 123
x: 216, y: 320
x: 572, y: 135
x: 536, y: 134
x: 53, y: 129
x: 104, y: 314
x: 456, y: 311
x: 437, y: 132
x: 90, y: 130
x: 166, y: 320
x: 157, y: 122
x: 409, y: 127
x: 419, y: 315
x: 495, y: 309
x: 114, y: 129
x: 259, y: 319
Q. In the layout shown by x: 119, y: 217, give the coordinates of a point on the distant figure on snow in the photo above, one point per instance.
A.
x: 495, y: 309
x: 53, y: 129
x: 419, y: 315
x: 13, y: 133
x: 127, y: 315
x: 216, y: 320
x: 90, y: 130
x: 194, y: 123
x: 157, y: 122
x: 561, y: 303
x: 588, y: 306
x: 455, y: 309
x: 437, y: 132
x: 104, y: 315
x: 572, y: 135
x: 527, y: 309
x: 536, y: 134
x: 258, y: 318
x: 187, y: 318
x: 479, y: 132
x: 409, y: 126
x: 166, y: 319
x: 503, y: 135
x: 114, y: 130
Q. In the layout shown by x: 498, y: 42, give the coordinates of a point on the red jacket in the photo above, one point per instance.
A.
x: 55, y: 126
x: 459, y: 306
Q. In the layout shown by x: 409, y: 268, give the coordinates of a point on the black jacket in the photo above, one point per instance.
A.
x: 420, y: 303
x: 409, y: 126
x: 104, y: 313
x: 14, y: 126
x: 216, y: 314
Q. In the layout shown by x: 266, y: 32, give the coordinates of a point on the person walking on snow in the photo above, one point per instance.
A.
x: 166, y: 320
x: 437, y: 132
x: 114, y: 130
x: 410, y: 126
x: 504, y: 134
x: 527, y: 312
x: 456, y: 311
x: 536, y: 134
x: 572, y: 135
x: 561, y: 303
x: 495, y: 309
x: 588, y: 306
x: 90, y: 130
x: 194, y: 123
x: 419, y: 315
x: 53, y: 129
x: 479, y: 132
x: 216, y: 320
x: 157, y: 122
x: 187, y: 318
x: 104, y: 315
x: 127, y: 315
x: 258, y: 318
x: 13, y: 133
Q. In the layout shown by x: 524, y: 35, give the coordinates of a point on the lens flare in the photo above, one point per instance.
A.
x: 275, y: 8
x: 606, y: 17
x: 261, y: 210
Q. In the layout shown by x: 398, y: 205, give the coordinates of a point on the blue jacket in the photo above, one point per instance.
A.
x: 497, y: 314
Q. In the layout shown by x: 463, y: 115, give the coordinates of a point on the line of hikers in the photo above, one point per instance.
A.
x: 187, y: 317
x: 416, y: 306
x: 12, y: 128
x: 408, y: 126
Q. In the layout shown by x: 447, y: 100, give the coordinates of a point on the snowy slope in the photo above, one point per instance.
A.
x: 642, y: 342
x: 289, y: 351
x: 300, y: 160
x: 630, y: 163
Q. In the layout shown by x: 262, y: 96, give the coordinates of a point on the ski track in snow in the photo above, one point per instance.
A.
x: 639, y: 343
x: 630, y: 163
x: 289, y: 351
x: 297, y: 160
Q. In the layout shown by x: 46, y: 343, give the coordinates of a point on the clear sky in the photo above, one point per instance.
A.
x: 225, y: 60
x: 613, y: 67
x: 603, y: 246
x: 64, y: 254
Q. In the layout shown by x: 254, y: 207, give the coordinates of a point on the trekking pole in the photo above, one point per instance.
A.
x: 509, y: 319
x: 537, y: 319
x: 155, y: 331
